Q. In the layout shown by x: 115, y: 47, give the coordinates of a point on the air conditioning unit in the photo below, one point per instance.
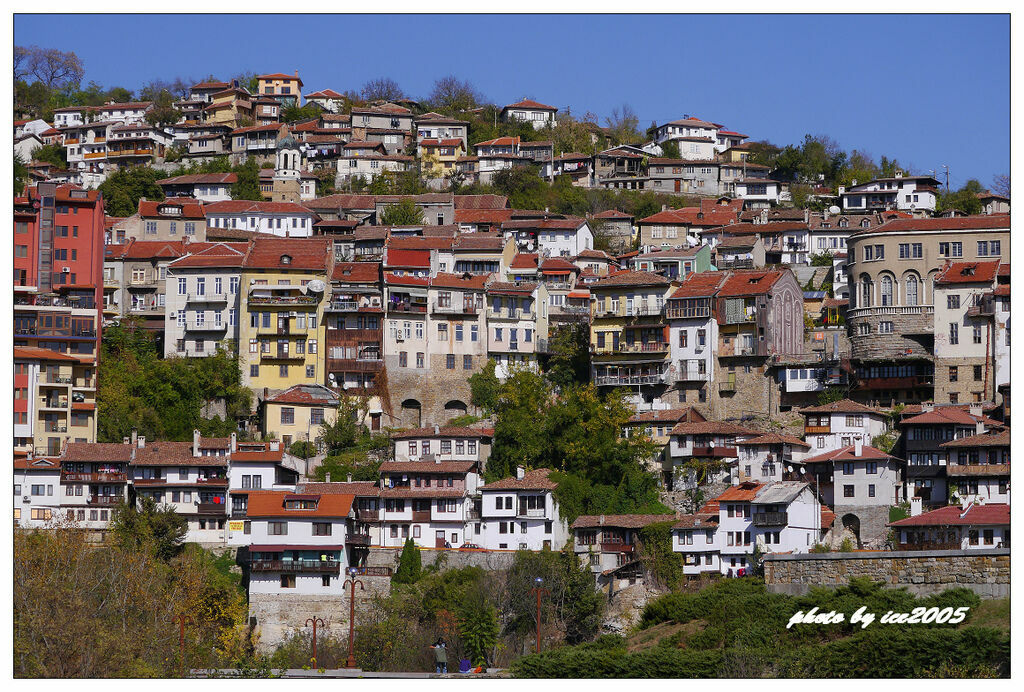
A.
x: 65, y: 270
x: 399, y: 337
x: 293, y: 314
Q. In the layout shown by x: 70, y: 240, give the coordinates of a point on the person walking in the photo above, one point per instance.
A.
x: 440, y: 657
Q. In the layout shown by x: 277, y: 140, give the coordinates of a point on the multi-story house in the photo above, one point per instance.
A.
x: 456, y: 323
x: 694, y: 176
x: 694, y: 538
x: 710, y: 440
x: 257, y: 466
x: 297, y: 542
x: 904, y: 192
x: 385, y: 117
x: 971, y: 526
x: 284, y: 88
x: 85, y: 145
x: 693, y: 334
x: 761, y: 193
x: 674, y: 263
x: 784, y: 242
x: 281, y: 312
x: 657, y: 425
x: 297, y: 414
x: 519, y: 513
x: 354, y: 322
x: 696, y: 138
x: 136, y: 144
x: 992, y: 203
x: 440, y: 155
x: 366, y: 528
x: 517, y: 325
x: 629, y: 334
x: 58, y: 296
x: 730, y: 173
x: 231, y: 107
x: 54, y: 400
x: 527, y: 110
x: 266, y: 110
x: 740, y: 252
x: 860, y: 483
x: 205, y: 187
x: 760, y: 315
x: 172, y: 219
x: 436, y: 126
x: 328, y: 100
x: 202, y: 299
x: 541, y: 154
x: 619, y: 167
x: 37, y: 496
x: 368, y: 162
x: 609, y: 544
x: 891, y: 319
x: 965, y: 340
x: 143, y: 277
x: 978, y: 467
x: 190, y: 477
x: 93, y: 480
x: 281, y: 219
x: 681, y: 226
x: 767, y: 457
x: 840, y: 424
x: 579, y: 168
x: 204, y: 91
x: 496, y: 155
x: 553, y: 235
x: 257, y: 141
x: 478, y: 253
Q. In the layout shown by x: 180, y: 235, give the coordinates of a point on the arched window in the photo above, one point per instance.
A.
x: 886, y: 290
x: 866, y: 290
x: 865, y: 223
x: 912, y: 283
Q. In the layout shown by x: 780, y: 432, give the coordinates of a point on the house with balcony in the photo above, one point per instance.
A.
x: 679, y: 227
x: 740, y: 252
x: 93, y: 480
x: 704, y: 452
x: 266, y: 110
x: 365, y: 527
x: 694, y: 536
x: 257, y: 466
x: 609, y: 546
x: 354, y: 323
x: 257, y: 141
x: 456, y: 323
x: 297, y: 413
x: 297, y: 542
x: 911, y: 193
x: 37, y: 496
x: 783, y: 242
x: 190, y: 477
x: 367, y: 160
x: 388, y: 116
x: 85, y: 145
x: 674, y: 263
x: 284, y: 88
x: 478, y: 254
x: 54, y: 400
x: 967, y: 526
x: 620, y: 167
x: 732, y: 172
x: 519, y: 513
x: 530, y: 111
x: 281, y: 332
x: 202, y: 299
x: 693, y: 334
x: 281, y: 219
x: 978, y: 467
x: 136, y: 144
x: 204, y: 187
x: 803, y: 377
x: 657, y: 425
x: 629, y: 333
x: 143, y: 273
x: 406, y: 305
x: 171, y: 219
x: 517, y: 325
x: 767, y: 457
x: 578, y: 167
x: 860, y: 483
x: 496, y: 155
x: 696, y: 138
x: 230, y: 107
x: 760, y: 193
x: 839, y: 424
x: 965, y: 331
x: 553, y: 235
x: 439, y: 156
x: 433, y: 126
x: 559, y: 276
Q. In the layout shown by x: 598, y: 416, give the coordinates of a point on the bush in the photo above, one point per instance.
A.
x: 410, y: 564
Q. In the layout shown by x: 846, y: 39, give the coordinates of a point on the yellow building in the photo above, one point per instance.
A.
x: 54, y: 400
x: 281, y: 331
x: 440, y: 155
x: 229, y: 107
x: 297, y: 414
x: 286, y: 89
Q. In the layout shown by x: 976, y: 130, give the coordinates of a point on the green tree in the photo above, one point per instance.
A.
x: 670, y: 150
x: 159, y: 530
x: 569, y: 359
x: 123, y: 189
x: 478, y: 628
x: 53, y: 154
x: 410, y: 564
x: 20, y: 175
x: 293, y: 114
x: 404, y: 213
x: 965, y: 199
x: 302, y: 448
x: 248, y: 184
x: 822, y: 259
x: 163, y: 112
x: 484, y: 388
x: 452, y: 95
x: 344, y: 431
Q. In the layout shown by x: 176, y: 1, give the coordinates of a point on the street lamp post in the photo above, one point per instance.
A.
x: 181, y: 621
x: 352, y: 582
x: 538, y: 589
x: 314, y: 621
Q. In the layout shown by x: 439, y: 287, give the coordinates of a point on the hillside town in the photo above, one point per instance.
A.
x: 815, y: 368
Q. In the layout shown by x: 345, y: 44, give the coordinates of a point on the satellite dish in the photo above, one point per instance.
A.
x: 316, y: 286
x: 833, y: 209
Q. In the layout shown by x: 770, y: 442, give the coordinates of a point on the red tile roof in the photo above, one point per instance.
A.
x: 97, y: 451
x: 959, y: 223
x: 498, y: 142
x: 968, y: 272
x: 774, y: 439
x: 324, y: 93
x: 943, y: 415
x: 841, y: 406
x: 241, y: 206
x: 472, y: 283
x: 988, y: 439
x: 162, y: 453
x: 530, y: 104
x: 744, y: 492
x: 620, y: 521
x: 409, y: 258
x: 480, y: 202
x: 613, y: 214
x: 153, y: 249
x: 199, y: 179
x: 311, y: 254
x: 270, y: 504
x: 954, y: 515
x: 630, y: 278
x: 536, y: 479
x: 307, y: 394
x: 212, y: 255
x: 848, y: 454
x: 748, y: 283
x: 356, y: 272
x: 427, y: 466
x: 477, y: 216
x: 524, y: 260
x: 443, y: 431
x: 511, y: 287
x: 418, y: 242
x: 692, y: 216
x: 279, y: 75
x: 190, y: 208
x: 711, y: 427
x: 672, y: 415
x: 35, y: 353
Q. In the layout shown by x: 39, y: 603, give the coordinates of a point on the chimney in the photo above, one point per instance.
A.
x: 899, y: 174
x: 520, y: 473
x: 975, y: 410
x: 327, y: 477
x: 195, y: 443
x: 928, y: 407
x: 858, y: 446
x: 125, y: 440
x: 965, y: 505
x: 916, y: 506
x: 979, y: 428
x: 842, y: 190
x: 437, y: 429
x: 664, y: 207
x: 275, y: 446
x: 135, y: 437
x: 234, y: 442
x: 142, y: 441
x: 853, y: 183
x: 348, y: 478
x: 600, y: 520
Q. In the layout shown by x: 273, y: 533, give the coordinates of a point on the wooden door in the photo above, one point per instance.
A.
x: 439, y: 539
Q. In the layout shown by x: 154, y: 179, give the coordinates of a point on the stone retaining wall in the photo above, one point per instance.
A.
x: 922, y: 572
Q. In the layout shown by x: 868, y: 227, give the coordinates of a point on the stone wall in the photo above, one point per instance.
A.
x: 450, y: 559
x: 909, y: 336
x: 922, y: 572
x: 432, y: 388
x: 965, y: 386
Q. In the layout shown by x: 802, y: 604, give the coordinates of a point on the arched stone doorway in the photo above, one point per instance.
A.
x: 851, y: 528
x: 411, y: 413
x: 455, y: 409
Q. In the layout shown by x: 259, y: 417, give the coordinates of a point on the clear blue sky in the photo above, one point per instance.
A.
x: 928, y: 90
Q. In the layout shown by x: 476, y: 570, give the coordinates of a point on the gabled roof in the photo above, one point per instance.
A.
x: 306, y: 394
x: 524, y: 260
x: 943, y: 415
x: 444, y: 431
x: 311, y: 254
x: 988, y: 439
x: 619, y: 521
x: 511, y: 287
x: 472, y: 282
x: 613, y: 214
x: 841, y: 406
x: 97, y: 451
x: 744, y: 492
x: 702, y: 285
x: 968, y: 272
x: 164, y: 453
x: 279, y: 75
x: 630, y: 278
x: 356, y: 272
x: 671, y: 415
x: 954, y: 515
x: 536, y: 479
x: 190, y: 208
x: 324, y: 94
x: 270, y: 504
x: 749, y: 283
x: 427, y: 466
x: 529, y: 104
x: 848, y: 454
x: 36, y: 353
x: 711, y: 427
x: 153, y: 249
x: 773, y: 439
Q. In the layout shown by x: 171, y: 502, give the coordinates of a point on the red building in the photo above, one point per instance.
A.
x: 58, y: 291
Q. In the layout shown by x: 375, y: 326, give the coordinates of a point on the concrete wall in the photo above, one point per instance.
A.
x: 922, y: 572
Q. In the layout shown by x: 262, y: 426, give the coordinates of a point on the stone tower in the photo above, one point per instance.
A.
x: 287, y: 171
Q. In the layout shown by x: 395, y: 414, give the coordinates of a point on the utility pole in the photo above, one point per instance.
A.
x: 314, y: 621
x: 351, y: 582
x: 181, y: 620
x: 947, y: 177
x: 538, y: 590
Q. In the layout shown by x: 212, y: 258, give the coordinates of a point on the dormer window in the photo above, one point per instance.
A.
x: 305, y: 502
x: 286, y: 259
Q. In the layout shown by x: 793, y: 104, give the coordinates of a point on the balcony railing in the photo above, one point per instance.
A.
x: 715, y: 452
x: 372, y: 571
x: 817, y: 429
x: 771, y: 519
x: 625, y: 380
x: 305, y: 566
x: 644, y: 347
x: 104, y: 500
x: 421, y: 515
x: 207, y: 298
x: 368, y: 514
x: 455, y: 309
x: 855, y: 313
x: 613, y: 547
x: 282, y: 300
x: 216, y: 508
x: 506, y: 314
x: 355, y: 364
x: 682, y: 313
x: 726, y: 386
x: 360, y: 539
x: 71, y: 477
x: 407, y: 307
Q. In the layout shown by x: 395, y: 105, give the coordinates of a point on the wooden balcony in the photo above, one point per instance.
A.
x: 104, y: 500
x: 212, y: 508
x: 771, y: 519
x: 614, y: 547
x: 69, y: 477
x: 301, y: 566
x: 95, y: 155
x: 357, y: 539
x: 715, y: 452
x: 368, y: 515
x: 817, y: 429
x: 421, y: 515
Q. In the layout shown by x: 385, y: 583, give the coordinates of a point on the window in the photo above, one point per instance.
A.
x: 287, y: 581
x: 321, y: 528
x: 977, y: 333
x: 450, y: 361
x: 871, y: 467
x: 277, y: 528
x: 886, y: 285
x: 885, y: 327
x: 954, y: 333
x: 982, y: 248
x: 467, y: 362
x: 952, y: 302
x: 848, y: 467
x: 287, y: 415
x: 954, y: 373
x: 847, y: 491
x: 911, y: 290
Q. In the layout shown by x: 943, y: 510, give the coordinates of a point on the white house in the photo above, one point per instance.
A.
x: 971, y: 526
x: 527, y: 110
x: 519, y: 513
x: 282, y: 219
x: 697, y: 139
x: 693, y: 334
x: 903, y: 192
x: 761, y: 192
x: 37, y: 488
x: 327, y: 99
x: 840, y: 424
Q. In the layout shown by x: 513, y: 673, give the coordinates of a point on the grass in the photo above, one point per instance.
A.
x: 994, y: 613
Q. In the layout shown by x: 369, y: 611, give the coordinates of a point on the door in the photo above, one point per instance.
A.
x: 439, y: 539
x: 678, y: 183
x: 374, y: 421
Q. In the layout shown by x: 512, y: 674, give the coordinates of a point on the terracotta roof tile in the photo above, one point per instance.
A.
x: 309, y: 254
x: 842, y: 406
x: 447, y: 467
x: 271, y: 504
x: 954, y: 515
x: 847, y: 454
x: 620, y: 521
x: 444, y: 431
x: 968, y: 272
x: 630, y: 278
x: 97, y: 451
